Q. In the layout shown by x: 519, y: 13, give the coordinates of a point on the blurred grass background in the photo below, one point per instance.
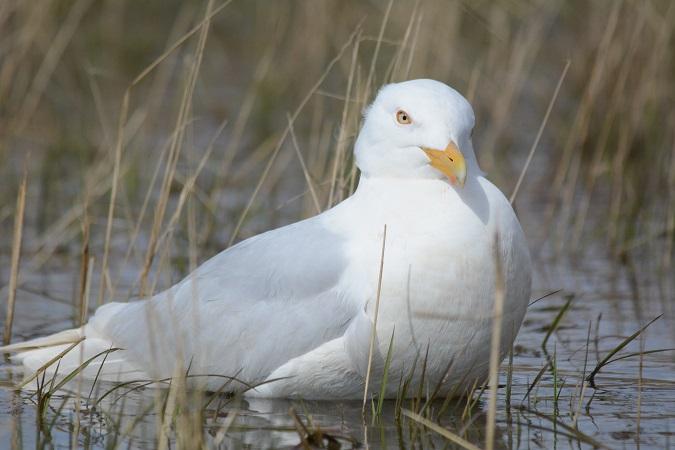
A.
x: 602, y: 180
x: 247, y: 120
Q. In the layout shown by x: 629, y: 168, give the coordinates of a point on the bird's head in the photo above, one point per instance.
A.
x: 418, y: 129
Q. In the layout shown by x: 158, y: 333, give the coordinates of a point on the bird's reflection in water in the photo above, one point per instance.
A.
x: 131, y: 416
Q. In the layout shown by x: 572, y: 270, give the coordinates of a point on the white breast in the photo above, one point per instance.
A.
x: 438, y: 281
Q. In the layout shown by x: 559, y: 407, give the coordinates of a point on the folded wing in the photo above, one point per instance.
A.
x: 243, y: 313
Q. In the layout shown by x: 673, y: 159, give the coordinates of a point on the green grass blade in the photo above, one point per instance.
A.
x: 618, y: 348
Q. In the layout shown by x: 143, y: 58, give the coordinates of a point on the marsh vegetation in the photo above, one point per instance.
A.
x: 139, y: 138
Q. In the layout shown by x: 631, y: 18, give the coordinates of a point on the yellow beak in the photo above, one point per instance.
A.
x: 449, y: 161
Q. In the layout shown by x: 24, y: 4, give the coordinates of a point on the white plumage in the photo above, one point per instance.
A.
x: 298, y: 302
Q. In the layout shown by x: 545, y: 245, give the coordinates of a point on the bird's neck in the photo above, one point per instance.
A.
x: 409, y: 163
x: 409, y: 189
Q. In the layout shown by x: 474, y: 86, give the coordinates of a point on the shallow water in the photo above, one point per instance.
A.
x: 630, y: 407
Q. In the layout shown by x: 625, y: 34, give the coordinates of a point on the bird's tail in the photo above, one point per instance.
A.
x: 60, y: 338
x: 78, y: 349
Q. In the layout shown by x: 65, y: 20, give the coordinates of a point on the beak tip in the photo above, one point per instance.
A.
x: 449, y: 161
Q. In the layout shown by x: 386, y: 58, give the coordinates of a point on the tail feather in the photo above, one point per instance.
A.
x: 35, y: 353
x: 62, y: 337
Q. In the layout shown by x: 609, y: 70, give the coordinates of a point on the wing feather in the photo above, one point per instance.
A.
x: 244, y: 312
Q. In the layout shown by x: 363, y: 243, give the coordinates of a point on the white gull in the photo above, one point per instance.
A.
x: 296, y: 304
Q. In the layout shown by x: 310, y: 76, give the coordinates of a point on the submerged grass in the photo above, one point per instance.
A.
x: 605, y: 158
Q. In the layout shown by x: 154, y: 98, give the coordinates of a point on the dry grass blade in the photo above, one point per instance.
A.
x: 385, y: 376
x: 294, y: 116
x: 535, y: 144
x: 84, y: 304
x: 374, y: 330
x: 175, y: 149
x: 222, y: 431
x: 16, y: 257
x: 57, y: 46
x: 342, y: 134
x: 49, y: 240
x: 85, y: 267
x: 373, y: 61
x: 113, y: 196
x: 452, y: 437
x: 210, y: 15
x: 300, y: 428
x: 189, y: 184
x: 495, y: 344
x: 305, y: 172
x: 607, y: 359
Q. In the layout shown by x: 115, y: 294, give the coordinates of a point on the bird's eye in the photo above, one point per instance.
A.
x: 403, y: 117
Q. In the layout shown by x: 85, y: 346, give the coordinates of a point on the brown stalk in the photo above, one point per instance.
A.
x: 305, y: 172
x: 495, y: 346
x: 342, y: 136
x: 397, y: 71
x: 449, y: 435
x: 175, y: 149
x: 413, y: 46
x: 84, y: 271
x: 374, y: 330
x: 378, y: 44
x: 303, y: 433
x: 189, y: 184
x: 519, y: 62
x: 294, y: 116
x: 113, y: 196
x: 16, y: 257
x: 579, y: 127
x: 535, y: 144
x: 617, y: 104
x: 50, y: 61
